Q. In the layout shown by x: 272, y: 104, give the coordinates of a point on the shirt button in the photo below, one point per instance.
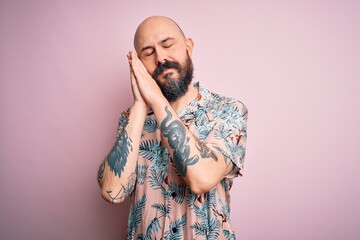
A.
x: 173, y: 194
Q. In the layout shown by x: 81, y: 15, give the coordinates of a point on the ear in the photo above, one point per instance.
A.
x: 189, y: 45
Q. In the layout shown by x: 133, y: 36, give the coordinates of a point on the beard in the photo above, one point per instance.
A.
x: 171, y: 87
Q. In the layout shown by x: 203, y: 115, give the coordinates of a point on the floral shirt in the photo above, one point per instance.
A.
x: 162, y: 205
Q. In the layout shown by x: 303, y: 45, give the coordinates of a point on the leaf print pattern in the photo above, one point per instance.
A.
x: 135, y: 216
x: 209, y: 230
x: 175, y: 231
x: 177, y: 192
x: 153, y: 226
x: 149, y: 148
x: 229, y: 235
x: 141, y: 174
x: 162, y: 209
x: 207, y: 226
x: 150, y: 124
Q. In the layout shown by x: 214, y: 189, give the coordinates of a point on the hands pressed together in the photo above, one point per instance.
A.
x: 145, y: 90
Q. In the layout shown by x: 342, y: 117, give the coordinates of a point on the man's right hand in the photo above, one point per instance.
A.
x: 138, y: 99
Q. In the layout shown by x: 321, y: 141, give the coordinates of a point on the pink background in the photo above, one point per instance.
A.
x: 64, y: 81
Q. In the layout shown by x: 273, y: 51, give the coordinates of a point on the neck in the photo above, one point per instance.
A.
x: 179, y: 104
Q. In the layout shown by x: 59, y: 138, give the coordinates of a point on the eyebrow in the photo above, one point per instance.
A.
x: 162, y: 41
x: 145, y: 48
x: 166, y: 39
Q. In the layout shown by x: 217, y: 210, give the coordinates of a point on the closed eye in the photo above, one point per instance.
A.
x: 149, y: 53
x: 167, y: 45
x: 168, y: 42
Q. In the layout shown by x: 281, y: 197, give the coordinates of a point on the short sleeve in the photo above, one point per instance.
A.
x: 228, y: 137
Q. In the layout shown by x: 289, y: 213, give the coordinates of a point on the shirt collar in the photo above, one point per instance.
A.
x: 198, y: 102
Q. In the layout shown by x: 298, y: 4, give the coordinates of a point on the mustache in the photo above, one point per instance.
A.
x: 166, y: 65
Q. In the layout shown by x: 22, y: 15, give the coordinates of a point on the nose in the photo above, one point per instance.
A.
x: 160, y: 57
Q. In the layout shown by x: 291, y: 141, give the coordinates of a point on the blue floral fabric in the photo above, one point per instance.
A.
x: 162, y: 205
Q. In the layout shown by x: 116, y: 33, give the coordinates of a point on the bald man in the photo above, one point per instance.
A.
x: 178, y: 146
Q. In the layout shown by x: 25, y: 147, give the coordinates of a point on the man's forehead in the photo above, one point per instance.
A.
x: 156, y: 38
x: 156, y: 29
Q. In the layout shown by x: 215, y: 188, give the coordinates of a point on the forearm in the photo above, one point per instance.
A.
x: 200, y: 167
x: 117, y: 173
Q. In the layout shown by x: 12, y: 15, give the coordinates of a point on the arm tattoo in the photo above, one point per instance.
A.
x: 118, y: 156
x: 176, y: 134
x: 101, y: 171
x: 205, y: 152
x: 124, y: 190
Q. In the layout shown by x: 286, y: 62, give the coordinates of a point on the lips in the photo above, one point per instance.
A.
x: 166, y: 69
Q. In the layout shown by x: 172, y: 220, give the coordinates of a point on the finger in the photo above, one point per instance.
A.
x: 132, y: 75
x: 138, y: 62
x: 133, y: 82
x: 137, y: 65
x: 131, y: 70
x: 134, y: 85
x: 132, y: 61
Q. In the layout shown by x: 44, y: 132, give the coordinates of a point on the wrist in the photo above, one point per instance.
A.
x: 159, y: 101
x: 139, y: 109
x: 139, y: 105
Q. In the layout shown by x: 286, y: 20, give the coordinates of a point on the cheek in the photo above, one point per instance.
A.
x: 182, y: 52
x: 149, y: 65
x: 150, y: 70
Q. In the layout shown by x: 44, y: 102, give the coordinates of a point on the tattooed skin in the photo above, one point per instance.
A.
x: 117, y: 158
x: 101, y: 172
x: 205, y: 152
x: 176, y: 134
x: 124, y: 190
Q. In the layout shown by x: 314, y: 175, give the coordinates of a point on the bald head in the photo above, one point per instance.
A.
x: 156, y: 27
